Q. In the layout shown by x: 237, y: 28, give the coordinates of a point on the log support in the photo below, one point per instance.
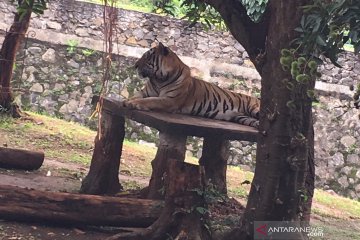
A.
x: 214, y: 159
x: 171, y: 147
x: 184, y: 215
x: 103, y: 176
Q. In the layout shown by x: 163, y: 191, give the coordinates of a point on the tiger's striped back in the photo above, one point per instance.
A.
x: 171, y: 88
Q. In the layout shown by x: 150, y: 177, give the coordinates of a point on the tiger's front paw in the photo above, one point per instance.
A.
x: 133, y: 104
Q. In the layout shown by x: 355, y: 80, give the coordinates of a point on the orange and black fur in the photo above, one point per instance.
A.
x: 171, y: 88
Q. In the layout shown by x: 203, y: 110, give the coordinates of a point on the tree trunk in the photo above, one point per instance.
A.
x: 171, y: 147
x: 214, y: 159
x: 103, y: 176
x: 20, y: 159
x: 184, y: 213
x: 76, y: 209
x: 306, y: 202
x: 285, y: 140
x: 8, y: 52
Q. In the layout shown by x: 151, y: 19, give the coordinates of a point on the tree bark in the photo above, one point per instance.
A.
x: 172, y: 147
x: 8, y: 52
x: 76, y: 209
x: 20, y: 159
x: 184, y: 213
x: 103, y: 176
x: 285, y: 141
x: 251, y: 35
x: 214, y: 159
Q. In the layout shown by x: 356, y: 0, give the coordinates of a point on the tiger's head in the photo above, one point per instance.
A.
x: 159, y: 63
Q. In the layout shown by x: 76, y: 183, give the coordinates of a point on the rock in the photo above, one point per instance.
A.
x: 351, y: 181
x: 357, y: 188
x: 239, y: 47
x: 82, y: 32
x: 348, y: 141
x: 337, y: 159
x: 343, y: 181
x: 59, y: 86
x: 131, y: 41
x: 34, y: 50
x: 346, y: 170
x: 49, y: 56
x: 331, y: 192
x: 63, y: 109
x: 353, y: 159
x: 142, y: 142
x: 124, y: 93
x: 138, y: 34
x: 147, y: 130
x: 31, y: 78
x: 227, y: 49
x: 73, y: 64
x: 63, y: 97
x: 143, y: 43
x: 53, y: 25
x: 30, y: 69
x: 75, y: 83
x: 37, y: 88
x: 357, y: 174
x: 149, y: 36
x: 88, y: 89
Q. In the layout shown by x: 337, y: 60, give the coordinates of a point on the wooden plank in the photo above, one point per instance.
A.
x: 184, y: 124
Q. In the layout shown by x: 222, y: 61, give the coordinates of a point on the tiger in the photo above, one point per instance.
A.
x: 171, y: 88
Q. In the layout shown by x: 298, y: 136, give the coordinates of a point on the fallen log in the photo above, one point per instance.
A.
x: 76, y: 209
x: 20, y: 159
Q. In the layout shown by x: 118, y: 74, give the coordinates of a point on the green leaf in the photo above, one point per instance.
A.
x: 201, y: 210
x: 320, y: 41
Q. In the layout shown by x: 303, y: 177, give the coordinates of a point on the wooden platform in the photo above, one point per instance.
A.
x: 184, y: 124
x: 173, y: 132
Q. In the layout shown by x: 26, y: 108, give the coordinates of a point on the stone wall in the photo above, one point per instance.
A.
x: 135, y: 29
x: 62, y: 70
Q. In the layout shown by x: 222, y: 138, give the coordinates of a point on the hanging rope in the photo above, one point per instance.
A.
x: 109, y: 18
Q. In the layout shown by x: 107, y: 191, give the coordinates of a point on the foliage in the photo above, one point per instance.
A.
x: 255, y: 8
x: 323, y: 31
x: 326, y: 27
x: 72, y: 44
x: 88, y: 52
x: 36, y: 6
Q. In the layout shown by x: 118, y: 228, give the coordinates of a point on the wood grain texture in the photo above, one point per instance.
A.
x: 20, y: 159
x: 183, y: 124
x: 76, y: 209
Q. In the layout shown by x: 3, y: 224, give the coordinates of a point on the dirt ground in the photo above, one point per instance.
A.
x: 52, y: 176
x: 58, y: 176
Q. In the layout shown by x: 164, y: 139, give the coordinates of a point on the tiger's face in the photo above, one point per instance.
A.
x: 158, y: 63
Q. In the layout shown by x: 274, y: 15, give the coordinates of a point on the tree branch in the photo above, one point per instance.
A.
x: 251, y: 35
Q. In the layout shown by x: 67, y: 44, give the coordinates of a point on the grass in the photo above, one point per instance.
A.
x: 127, y: 5
x: 66, y: 141
x: 346, y: 206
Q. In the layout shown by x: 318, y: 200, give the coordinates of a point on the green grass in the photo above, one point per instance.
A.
x: 127, y: 5
x: 345, y: 205
x: 66, y: 141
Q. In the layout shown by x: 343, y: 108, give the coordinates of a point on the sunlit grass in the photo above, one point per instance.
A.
x: 72, y: 142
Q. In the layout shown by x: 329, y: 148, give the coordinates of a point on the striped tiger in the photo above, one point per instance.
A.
x: 171, y: 88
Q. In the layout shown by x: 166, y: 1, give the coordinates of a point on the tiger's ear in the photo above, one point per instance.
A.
x: 163, y: 50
